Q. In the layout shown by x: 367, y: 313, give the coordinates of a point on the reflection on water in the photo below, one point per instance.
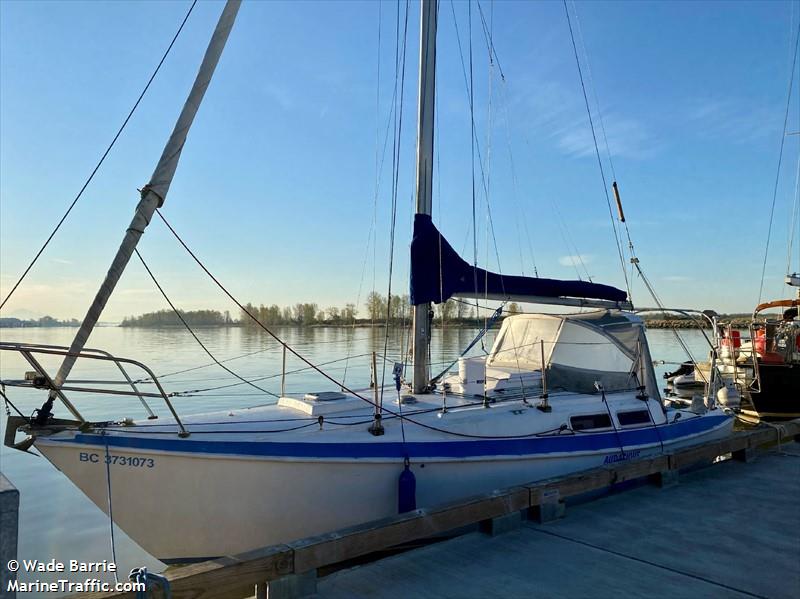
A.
x: 57, y: 521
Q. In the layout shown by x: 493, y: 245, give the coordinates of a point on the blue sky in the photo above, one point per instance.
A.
x: 276, y: 186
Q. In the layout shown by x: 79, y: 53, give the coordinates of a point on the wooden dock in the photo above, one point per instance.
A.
x: 731, y: 531
x: 724, y: 507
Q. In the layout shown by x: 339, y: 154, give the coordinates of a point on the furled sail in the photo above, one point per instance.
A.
x: 152, y: 197
x: 439, y: 273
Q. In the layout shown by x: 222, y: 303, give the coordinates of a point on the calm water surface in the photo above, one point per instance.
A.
x: 57, y: 521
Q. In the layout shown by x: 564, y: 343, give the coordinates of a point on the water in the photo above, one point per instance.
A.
x: 57, y: 521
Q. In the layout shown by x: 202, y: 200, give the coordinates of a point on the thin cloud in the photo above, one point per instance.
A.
x: 575, y: 260
x: 731, y: 119
x: 554, y: 112
x: 627, y: 138
x: 62, y: 261
x: 280, y: 94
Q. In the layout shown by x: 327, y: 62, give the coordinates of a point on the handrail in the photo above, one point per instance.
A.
x: 150, y: 414
x: 27, y: 351
x: 776, y: 304
x: 685, y: 312
x: 755, y: 385
x: 28, y: 385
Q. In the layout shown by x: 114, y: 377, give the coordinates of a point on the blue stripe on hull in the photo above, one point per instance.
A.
x: 577, y: 442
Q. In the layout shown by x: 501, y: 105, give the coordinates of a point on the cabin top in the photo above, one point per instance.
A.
x: 605, y: 346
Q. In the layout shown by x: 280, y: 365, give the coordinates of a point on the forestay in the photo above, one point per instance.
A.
x: 152, y: 197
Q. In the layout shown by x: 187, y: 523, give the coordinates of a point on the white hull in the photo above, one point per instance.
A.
x: 187, y: 506
x: 242, y: 479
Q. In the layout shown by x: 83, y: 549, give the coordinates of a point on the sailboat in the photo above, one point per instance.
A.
x: 760, y: 375
x: 556, y: 394
x: 764, y: 368
x: 774, y: 390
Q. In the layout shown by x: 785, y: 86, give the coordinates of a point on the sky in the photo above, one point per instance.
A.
x: 286, y: 181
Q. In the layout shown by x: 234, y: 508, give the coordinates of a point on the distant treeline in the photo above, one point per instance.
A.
x: 376, y: 310
x: 168, y: 318
x: 44, y: 321
x: 657, y: 320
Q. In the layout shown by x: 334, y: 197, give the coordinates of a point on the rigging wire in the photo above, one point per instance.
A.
x: 597, y: 151
x: 664, y: 311
x: 395, y: 185
x: 633, y: 259
x: 472, y: 154
x: 514, y: 347
x: 601, y: 120
x: 239, y: 357
x: 593, y: 88
x: 316, y: 367
x: 378, y: 171
x: 250, y: 314
x: 475, y: 148
x: 488, y: 167
x: 494, y: 59
x: 193, y: 368
x: 269, y: 376
x: 110, y: 508
x: 8, y: 402
x: 191, y: 331
x: 793, y: 227
x: 440, y: 211
x: 102, y: 158
x: 488, y: 37
x: 562, y: 228
x: 227, y: 431
x: 780, y: 160
x: 515, y: 189
x: 475, y: 141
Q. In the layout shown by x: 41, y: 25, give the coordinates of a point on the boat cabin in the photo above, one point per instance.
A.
x: 577, y: 352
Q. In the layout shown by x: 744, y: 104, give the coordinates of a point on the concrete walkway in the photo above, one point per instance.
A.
x: 731, y: 530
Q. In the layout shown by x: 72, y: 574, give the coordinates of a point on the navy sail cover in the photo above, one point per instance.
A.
x: 432, y: 255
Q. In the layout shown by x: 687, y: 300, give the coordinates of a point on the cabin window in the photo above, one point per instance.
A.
x: 637, y: 417
x: 589, y: 421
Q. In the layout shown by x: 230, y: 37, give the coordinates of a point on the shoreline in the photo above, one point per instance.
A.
x: 737, y: 323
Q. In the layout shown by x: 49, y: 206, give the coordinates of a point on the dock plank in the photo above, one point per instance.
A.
x: 374, y: 536
x: 714, y: 535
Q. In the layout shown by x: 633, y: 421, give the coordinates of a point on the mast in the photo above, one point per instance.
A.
x: 427, y: 91
x: 152, y: 196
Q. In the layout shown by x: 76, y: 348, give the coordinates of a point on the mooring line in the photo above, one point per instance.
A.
x: 110, y: 509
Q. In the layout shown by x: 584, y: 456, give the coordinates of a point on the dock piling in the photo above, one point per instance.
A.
x: 747, y: 455
x: 667, y: 478
x: 291, y: 586
x: 9, y: 530
x: 500, y: 524
x: 550, y: 508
